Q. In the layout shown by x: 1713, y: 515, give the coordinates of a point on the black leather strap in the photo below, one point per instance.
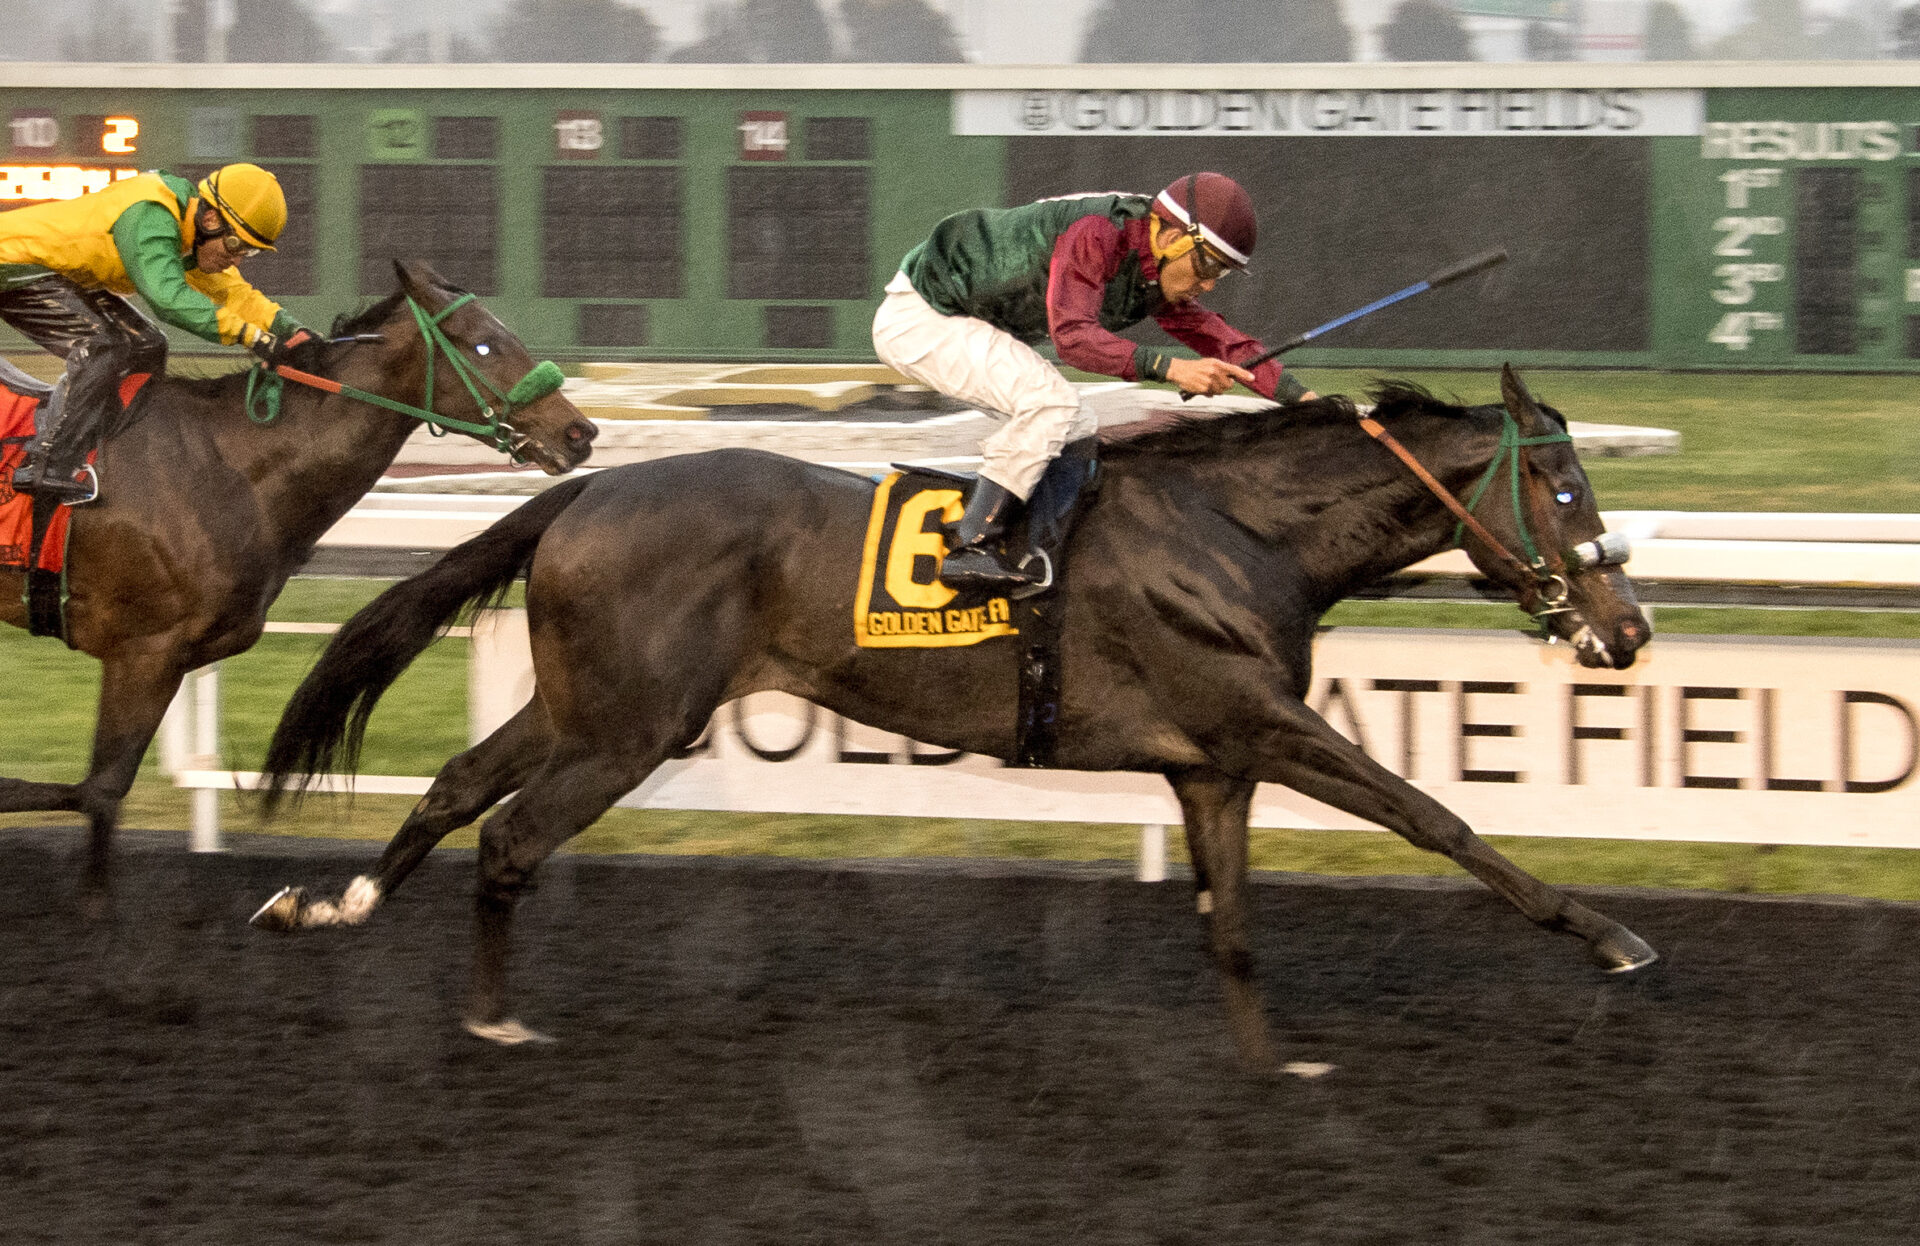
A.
x: 46, y: 590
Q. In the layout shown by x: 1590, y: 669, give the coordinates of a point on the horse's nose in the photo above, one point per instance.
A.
x: 1634, y: 633
x: 582, y: 432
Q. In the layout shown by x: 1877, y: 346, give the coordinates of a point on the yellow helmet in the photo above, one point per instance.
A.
x: 249, y: 199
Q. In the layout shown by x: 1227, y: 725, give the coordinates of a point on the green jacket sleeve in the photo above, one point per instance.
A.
x: 148, y: 239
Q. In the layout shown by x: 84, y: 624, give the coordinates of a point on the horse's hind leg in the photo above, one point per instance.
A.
x: 465, y: 788
x: 1215, y: 809
x: 559, y: 803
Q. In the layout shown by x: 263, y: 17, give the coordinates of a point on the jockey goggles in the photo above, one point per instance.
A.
x: 235, y: 246
x: 1206, y: 265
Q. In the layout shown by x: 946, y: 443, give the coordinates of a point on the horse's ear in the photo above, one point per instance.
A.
x: 1520, y: 404
x: 417, y: 278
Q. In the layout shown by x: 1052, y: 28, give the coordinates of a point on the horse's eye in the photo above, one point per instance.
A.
x: 482, y: 348
x: 1564, y: 497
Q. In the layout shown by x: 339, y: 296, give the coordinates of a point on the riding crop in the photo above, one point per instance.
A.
x: 1447, y: 275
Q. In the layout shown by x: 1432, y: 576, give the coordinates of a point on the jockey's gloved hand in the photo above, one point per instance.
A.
x: 278, y: 350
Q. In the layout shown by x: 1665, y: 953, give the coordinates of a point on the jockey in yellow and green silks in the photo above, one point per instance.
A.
x: 64, y: 267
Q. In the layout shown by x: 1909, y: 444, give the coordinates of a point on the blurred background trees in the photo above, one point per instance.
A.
x: 762, y: 31
x: 947, y: 31
x: 1425, y: 30
x: 260, y: 30
x: 1669, y: 34
x: 898, y: 30
x: 572, y: 30
x: 1219, y: 30
x: 105, y: 30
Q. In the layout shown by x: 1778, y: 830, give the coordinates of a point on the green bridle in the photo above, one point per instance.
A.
x: 495, y: 427
x: 1549, y: 589
x: 1508, y: 452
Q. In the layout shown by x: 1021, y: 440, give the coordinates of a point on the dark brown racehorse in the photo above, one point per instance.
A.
x: 206, y: 512
x: 1191, y: 591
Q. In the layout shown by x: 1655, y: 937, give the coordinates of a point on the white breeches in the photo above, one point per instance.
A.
x: 990, y: 369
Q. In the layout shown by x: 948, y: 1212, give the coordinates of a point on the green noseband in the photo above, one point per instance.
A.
x: 546, y: 378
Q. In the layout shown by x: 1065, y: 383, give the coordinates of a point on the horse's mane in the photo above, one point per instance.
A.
x: 1193, y: 435
x: 1214, y: 434
x: 369, y: 318
x: 314, y: 358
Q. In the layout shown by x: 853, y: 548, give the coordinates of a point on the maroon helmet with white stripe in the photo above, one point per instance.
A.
x: 1214, y: 209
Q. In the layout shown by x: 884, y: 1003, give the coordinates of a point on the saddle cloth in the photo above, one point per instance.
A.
x: 20, y: 399
x: 901, y: 603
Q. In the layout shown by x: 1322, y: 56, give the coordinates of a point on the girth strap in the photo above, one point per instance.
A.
x: 45, y: 593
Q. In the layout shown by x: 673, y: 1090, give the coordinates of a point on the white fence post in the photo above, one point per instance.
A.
x: 499, y: 671
x: 1153, y: 853
x: 206, y: 756
x: 176, y: 748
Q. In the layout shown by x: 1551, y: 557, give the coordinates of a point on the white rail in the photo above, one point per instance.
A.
x: 1879, y: 550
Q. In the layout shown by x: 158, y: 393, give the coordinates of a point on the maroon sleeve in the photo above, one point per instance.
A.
x: 1213, y: 337
x: 1085, y: 259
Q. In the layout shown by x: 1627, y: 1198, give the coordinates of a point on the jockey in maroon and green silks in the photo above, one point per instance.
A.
x: 971, y: 301
x: 1075, y: 270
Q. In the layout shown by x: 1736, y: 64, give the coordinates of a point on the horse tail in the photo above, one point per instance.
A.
x: 326, y: 720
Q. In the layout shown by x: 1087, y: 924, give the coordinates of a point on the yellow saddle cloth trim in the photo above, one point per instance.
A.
x: 901, y: 603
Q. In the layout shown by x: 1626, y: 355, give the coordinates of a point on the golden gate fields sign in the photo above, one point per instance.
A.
x: 1732, y: 739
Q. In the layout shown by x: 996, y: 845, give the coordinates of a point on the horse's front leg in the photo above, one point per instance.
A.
x: 25, y: 796
x: 1215, y: 808
x: 579, y: 782
x: 135, y: 691
x: 1298, y: 749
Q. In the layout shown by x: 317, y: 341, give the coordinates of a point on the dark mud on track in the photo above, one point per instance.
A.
x: 783, y: 1053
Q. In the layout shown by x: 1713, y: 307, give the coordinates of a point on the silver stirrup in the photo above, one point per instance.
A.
x: 1041, y: 585
x: 93, y: 478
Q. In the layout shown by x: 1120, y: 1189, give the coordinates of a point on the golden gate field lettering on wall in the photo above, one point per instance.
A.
x: 1720, y: 739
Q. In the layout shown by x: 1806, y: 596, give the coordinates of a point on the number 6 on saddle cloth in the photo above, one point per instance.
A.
x: 901, y: 602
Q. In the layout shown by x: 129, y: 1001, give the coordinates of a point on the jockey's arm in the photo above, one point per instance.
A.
x: 148, y: 239
x: 1084, y: 260
x: 1207, y: 332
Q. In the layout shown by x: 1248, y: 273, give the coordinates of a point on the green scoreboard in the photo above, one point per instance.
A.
x: 1793, y: 232
x: 1680, y: 216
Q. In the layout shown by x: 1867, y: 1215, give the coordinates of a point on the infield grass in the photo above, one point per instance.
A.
x: 1748, y: 442
x: 1835, y: 443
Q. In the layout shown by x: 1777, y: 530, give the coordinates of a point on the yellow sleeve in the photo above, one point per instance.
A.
x: 242, y: 311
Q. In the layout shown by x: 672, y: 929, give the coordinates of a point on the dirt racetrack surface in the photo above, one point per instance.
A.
x: 775, y: 1052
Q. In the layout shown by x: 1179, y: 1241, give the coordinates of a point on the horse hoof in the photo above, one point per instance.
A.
x: 1620, y: 950
x: 507, y: 1033
x: 282, y: 912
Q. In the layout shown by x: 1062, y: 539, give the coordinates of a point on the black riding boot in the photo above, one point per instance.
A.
x: 59, y: 449
x: 976, y: 561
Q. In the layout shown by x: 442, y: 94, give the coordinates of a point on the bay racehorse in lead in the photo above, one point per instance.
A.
x: 1191, y: 590
x: 215, y: 495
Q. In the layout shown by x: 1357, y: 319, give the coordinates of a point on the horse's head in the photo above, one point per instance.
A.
x: 1558, y: 558
x: 483, y: 380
